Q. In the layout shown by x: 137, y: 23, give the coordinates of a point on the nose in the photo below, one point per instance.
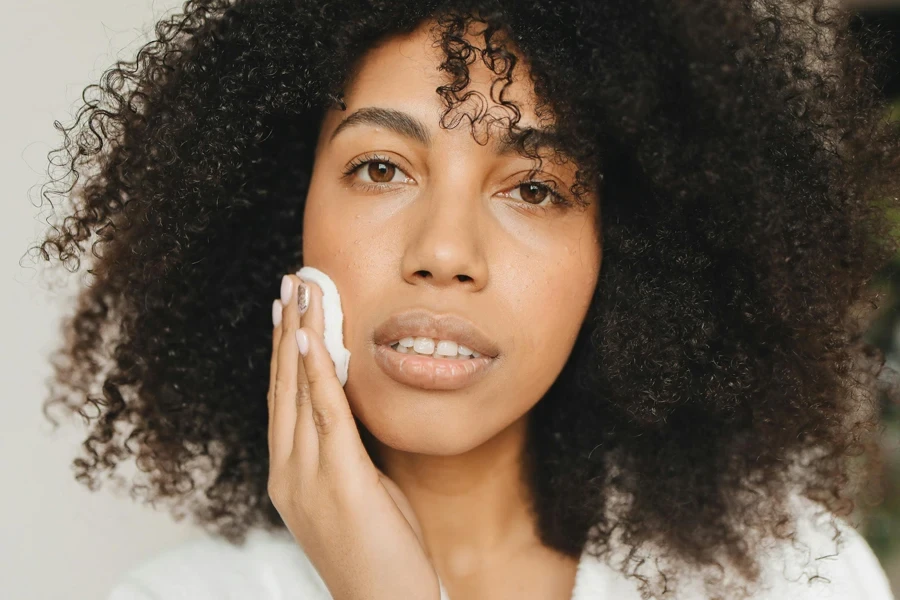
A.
x: 447, y: 237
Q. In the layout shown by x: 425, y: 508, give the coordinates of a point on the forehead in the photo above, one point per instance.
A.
x: 404, y: 72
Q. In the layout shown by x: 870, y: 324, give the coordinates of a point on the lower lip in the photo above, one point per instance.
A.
x: 430, y: 373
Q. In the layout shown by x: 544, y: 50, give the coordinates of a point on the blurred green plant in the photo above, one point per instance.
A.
x: 881, y: 522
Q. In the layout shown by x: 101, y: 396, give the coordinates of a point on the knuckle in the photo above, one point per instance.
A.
x: 302, y: 396
x: 325, y: 419
x: 280, y: 490
x: 274, y: 489
x: 281, y: 384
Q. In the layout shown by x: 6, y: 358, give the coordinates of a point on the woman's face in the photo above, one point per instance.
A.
x: 438, y: 222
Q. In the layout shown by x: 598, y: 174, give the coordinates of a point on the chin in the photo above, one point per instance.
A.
x: 403, y: 424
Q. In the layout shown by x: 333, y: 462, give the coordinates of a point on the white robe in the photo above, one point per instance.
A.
x: 272, y: 566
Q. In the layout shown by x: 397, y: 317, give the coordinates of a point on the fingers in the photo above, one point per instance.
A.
x: 273, y: 364
x: 338, y: 438
x: 306, y: 441
x: 310, y: 417
x: 284, y: 412
x: 314, y: 318
x: 327, y: 415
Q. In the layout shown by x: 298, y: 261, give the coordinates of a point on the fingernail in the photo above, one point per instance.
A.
x: 302, y: 341
x: 276, y: 312
x: 303, y: 297
x: 286, y: 289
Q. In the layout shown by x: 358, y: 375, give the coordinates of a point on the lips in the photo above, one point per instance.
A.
x: 426, y: 372
x: 430, y: 373
x: 424, y: 323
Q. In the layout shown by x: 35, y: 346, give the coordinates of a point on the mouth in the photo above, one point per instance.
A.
x: 431, y: 372
x: 427, y: 332
x: 427, y: 347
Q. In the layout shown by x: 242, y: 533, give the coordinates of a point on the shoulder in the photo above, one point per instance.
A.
x: 828, y: 558
x: 268, y: 565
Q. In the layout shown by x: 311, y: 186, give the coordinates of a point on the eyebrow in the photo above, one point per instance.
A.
x: 397, y: 121
x: 410, y: 127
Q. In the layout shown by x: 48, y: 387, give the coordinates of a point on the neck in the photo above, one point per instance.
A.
x: 471, y: 506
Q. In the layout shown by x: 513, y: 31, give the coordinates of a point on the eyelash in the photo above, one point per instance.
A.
x: 556, y: 197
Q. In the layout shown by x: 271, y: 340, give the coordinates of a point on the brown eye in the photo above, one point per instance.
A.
x: 381, y: 172
x: 533, y: 193
x: 375, y: 173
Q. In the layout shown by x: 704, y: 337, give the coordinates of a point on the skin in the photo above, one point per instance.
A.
x: 452, y: 208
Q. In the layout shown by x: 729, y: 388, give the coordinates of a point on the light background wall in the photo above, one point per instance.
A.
x: 57, y: 539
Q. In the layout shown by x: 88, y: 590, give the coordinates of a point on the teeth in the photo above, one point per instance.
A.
x: 423, y: 345
x: 427, y: 347
x: 445, y: 348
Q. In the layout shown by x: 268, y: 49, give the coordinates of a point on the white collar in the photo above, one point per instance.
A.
x: 595, y: 580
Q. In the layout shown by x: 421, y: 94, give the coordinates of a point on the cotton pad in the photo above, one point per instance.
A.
x: 334, y: 320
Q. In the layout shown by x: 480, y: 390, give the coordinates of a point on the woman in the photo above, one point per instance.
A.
x: 644, y: 230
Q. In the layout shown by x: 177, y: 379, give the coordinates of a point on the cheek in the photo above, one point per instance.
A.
x: 341, y: 230
x: 323, y: 228
x: 553, y: 304
x: 557, y: 298
x: 338, y: 243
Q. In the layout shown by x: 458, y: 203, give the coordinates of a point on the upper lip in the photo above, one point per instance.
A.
x: 424, y: 323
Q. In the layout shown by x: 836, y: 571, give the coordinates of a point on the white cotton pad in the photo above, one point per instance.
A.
x: 334, y: 320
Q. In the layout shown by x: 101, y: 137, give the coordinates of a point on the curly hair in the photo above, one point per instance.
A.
x: 747, y: 174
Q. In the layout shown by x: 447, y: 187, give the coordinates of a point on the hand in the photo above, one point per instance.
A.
x: 354, y: 524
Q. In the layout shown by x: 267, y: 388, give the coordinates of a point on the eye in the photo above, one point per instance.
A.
x: 535, y: 192
x: 532, y: 192
x: 375, y: 170
x: 380, y: 171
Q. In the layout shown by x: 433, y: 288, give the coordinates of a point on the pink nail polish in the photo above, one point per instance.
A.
x: 276, y: 312
x: 302, y: 341
x: 286, y: 289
